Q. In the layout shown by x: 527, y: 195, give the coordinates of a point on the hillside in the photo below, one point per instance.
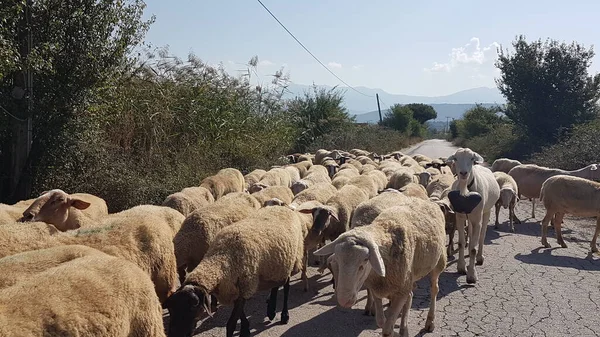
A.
x: 443, y: 110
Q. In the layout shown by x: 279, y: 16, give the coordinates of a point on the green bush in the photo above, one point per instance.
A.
x: 499, y: 142
x: 574, y: 151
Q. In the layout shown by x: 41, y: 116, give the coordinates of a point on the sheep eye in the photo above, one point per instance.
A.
x: 361, y: 268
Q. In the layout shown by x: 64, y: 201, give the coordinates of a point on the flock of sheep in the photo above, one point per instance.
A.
x: 375, y: 221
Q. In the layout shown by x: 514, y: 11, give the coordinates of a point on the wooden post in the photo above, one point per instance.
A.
x: 379, y: 108
x: 19, y: 184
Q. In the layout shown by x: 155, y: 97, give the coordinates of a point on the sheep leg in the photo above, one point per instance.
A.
x: 304, y: 266
x: 517, y: 221
x: 235, y: 315
x: 533, y: 208
x: 593, y: 243
x: 435, y: 288
x: 392, y: 313
x: 245, y: 324
x: 285, y: 315
x: 181, y: 271
x: 460, y: 226
x: 558, y: 217
x: 497, y: 213
x: 475, y: 224
x: 369, y: 310
x: 484, y: 226
x: 511, y: 216
x: 545, y: 222
x: 272, y: 303
x: 214, y: 303
x: 379, y: 317
x: 404, y: 316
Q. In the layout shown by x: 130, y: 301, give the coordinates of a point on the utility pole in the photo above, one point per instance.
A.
x: 379, y: 108
x: 447, y: 124
x: 19, y: 186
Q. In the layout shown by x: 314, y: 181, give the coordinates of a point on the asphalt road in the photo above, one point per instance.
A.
x: 523, y: 289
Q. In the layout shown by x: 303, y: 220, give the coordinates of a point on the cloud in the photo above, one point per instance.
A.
x: 265, y: 63
x: 470, y: 55
x: 334, y: 65
x: 357, y: 67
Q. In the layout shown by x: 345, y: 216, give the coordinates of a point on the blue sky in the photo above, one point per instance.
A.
x: 416, y: 48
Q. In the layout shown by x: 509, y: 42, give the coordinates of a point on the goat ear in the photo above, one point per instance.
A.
x: 477, y: 158
x: 78, y: 203
x: 451, y: 159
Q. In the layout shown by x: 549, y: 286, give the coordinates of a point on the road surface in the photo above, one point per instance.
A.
x: 523, y: 290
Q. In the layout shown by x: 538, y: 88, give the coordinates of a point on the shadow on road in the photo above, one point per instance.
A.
x: 544, y: 257
x: 334, y: 322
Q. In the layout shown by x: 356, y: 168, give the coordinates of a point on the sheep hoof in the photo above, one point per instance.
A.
x: 562, y: 244
x: 512, y: 230
x: 462, y: 270
x: 546, y: 244
x: 403, y: 332
x: 285, y: 318
x: 480, y: 260
x: 429, y: 325
x: 245, y: 332
x: 471, y: 279
x: 496, y: 226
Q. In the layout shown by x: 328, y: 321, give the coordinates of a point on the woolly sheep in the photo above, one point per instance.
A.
x: 402, y: 245
x: 189, y: 199
x: 504, y: 165
x: 438, y: 190
x: 421, y: 157
x: 137, y: 234
x: 366, y: 160
x: 316, y: 174
x: 426, y: 176
x: 368, y: 210
x: 566, y: 194
x: 255, y: 254
x: 340, y: 182
x: 303, y: 167
x: 94, y: 295
x: 402, y: 177
x: 348, y: 171
x: 438, y: 185
x: 331, y: 166
x: 366, y: 183
x: 65, y: 211
x: 319, y: 192
x: 330, y: 219
x: 360, y: 152
x: 321, y: 154
x: 530, y: 177
x: 473, y: 177
x: 367, y: 168
x: 380, y: 179
x: 11, y: 213
x: 226, y: 180
x: 283, y: 193
x: 253, y: 177
x: 294, y: 173
x: 200, y: 228
x: 355, y: 163
x: 509, y: 192
x: 414, y: 190
x: 306, y: 158
x: 273, y: 177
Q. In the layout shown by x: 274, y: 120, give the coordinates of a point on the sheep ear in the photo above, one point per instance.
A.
x: 477, y: 158
x: 78, y: 203
x: 333, y: 214
x: 329, y: 248
x: 428, y: 165
x: 375, y: 258
x: 306, y: 210
x: 451, y: 159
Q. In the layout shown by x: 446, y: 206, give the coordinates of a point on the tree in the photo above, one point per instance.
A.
x: 478, y: 121
x: 79, y: 48
x: 547, y: 87
x: 422, y: 112
x: 317, y: 114
x: 398, y: 118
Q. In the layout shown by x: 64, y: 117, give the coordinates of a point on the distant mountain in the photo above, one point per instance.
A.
x: 443, y: 111
x: 359, y: 104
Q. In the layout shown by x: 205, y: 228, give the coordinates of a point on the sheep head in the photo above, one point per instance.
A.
x: 52, y: 207
x: 185, y: 307
x: 355, y: 254
x: 507, y: 195
x: 464, y: 159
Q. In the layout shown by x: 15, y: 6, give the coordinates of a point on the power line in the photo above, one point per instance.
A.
x: 308, y: 51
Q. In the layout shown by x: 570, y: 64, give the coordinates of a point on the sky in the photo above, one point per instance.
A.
x: 429, y: 48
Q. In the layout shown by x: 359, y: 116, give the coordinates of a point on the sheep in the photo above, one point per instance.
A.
x: 226, y: 180
x: 402, y: 177
x: 414, y: 190
x: 390, y: 167
x: 330, y: 219
x: 189, y: 199
x: 340, y: 182
x: 567, y: 194
x: 255, y: 254
x: 294, y: 173
x: 65, y: 210
x: 367, y: 168
x: 358, y: 165
x: 366, y: 160
x: 319, y: 192
x: 305, y: 158
x: 438, y: 185
x: 347, y: 170
x: 331, y: 166
x: 139, y: 234
x: 92, y: 295
x: 509, y: 192
x: 530, y: 177
x: 303, y: 167
x: 368, y: 210
x: 12, y: 213
x: 283, y: 193
x: 253, y: 177
x: 360, y: 152
x: 199, y: 229
x: 421, y: 157
x: 321, y: 154
x: 380, y: 179
x: 274, y: 177
x: 472, y: 177
x: 504, y: 164
x: 316, y: 174
x: 366, y: 183
x: 426, y: 176
x: 402, y: 245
